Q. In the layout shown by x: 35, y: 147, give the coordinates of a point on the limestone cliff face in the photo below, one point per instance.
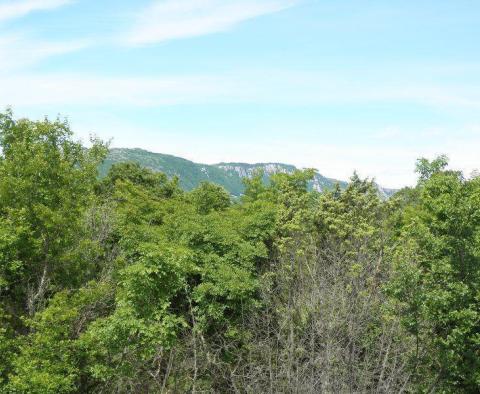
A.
x: 248, y: 170
x: 228, y: 175
x: 384, y: 192
x: 319, y: 182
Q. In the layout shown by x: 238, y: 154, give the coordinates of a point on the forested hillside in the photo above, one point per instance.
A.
x: 228, y: 175
x: 130, y: 284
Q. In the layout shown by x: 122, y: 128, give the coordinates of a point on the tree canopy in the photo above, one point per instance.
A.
x: 129, y: 284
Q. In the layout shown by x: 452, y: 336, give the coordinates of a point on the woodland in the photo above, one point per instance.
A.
x: 128, y: 284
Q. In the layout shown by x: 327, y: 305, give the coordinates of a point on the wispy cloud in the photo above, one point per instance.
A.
x: 19, y: 52
x: 68, y: 89
x: 232, y: 88
x: 173, y: 19
x: 11, y: 9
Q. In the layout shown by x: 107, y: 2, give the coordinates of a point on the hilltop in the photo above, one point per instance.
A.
x: 228, y: 175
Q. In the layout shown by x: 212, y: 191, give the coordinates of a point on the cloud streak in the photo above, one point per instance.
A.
x: 18, y: 52
x: 174, y: 19
x: 253, y: 88
x: 17, y: 8
x: 83, y: 90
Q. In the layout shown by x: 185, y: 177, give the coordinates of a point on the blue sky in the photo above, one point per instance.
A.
x: 336, y: 85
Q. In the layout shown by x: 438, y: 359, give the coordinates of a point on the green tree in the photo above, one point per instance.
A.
x: 426, y: 168
x: 137, y: 175
x: 437, y: 279
x: 46, y: 185
x: 46, y: 182
x: 209, y: 197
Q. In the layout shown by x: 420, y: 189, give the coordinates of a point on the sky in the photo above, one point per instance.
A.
x: 337, y: 85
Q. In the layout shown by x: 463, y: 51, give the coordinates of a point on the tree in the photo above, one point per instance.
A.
x: 209, y: 197
x: 137, y: 175
x: 437, y: 280
x: 46, y: 183
x: 426, y: 168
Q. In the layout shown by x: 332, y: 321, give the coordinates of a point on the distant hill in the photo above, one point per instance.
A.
x: 228, y: 175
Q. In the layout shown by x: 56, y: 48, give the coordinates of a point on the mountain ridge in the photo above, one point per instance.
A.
x: 227, y: 174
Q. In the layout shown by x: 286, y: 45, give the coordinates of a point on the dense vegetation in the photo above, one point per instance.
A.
x: 130, y: 285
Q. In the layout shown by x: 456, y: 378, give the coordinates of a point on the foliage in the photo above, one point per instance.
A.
x: 46, y: 181
x: 437, y: 280
x: 127, y: 283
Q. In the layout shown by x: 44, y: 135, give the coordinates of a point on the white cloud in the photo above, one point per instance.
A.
x: 173, y: 19
x: 242, y: 87
x: 334, y: 88
x: 18, y: 52
x: 18, y: 8
x: 64, y: 90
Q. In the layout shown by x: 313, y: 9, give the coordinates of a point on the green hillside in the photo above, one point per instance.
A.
x: 228, y: 175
